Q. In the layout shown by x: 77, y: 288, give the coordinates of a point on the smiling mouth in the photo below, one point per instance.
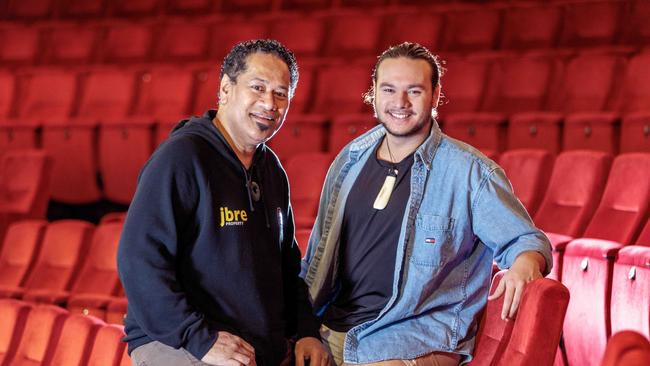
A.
x: 262, y: 121
x: 400, y: 114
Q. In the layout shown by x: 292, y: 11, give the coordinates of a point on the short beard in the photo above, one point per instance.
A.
x: 413, y: 131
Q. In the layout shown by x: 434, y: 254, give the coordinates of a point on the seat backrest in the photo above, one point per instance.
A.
x: 306, y: 174
x: 531, y: 26
x: 98, y: 274
x: 20, y: 245
x: 7, y: 88
x: 644, y: 237
x: 355, y: 77
x: 64, y: 243
x: 128, y: 41
x: 529, y: 171
x: 493, y: 332
x: 42, y: 330
x: 464, y: 83
x: 591, y: 23
x: 182, y: 40
x: 623, y: 208
x: 304, y: 36
x: 165, y: 92
x: 19, y: 44
x: 76, y: 340
x: 538, y: 326
x: 352, y: 33
x: 636, y: 84
x: 627, y: 348
x: 69, y: 43
x: 13, y: 315
x: 471, y: 29
x: 630, y: 307
x: 108, y: 346
x: 574, y: 191
x: 47, y: 94
x: 230, y: 32
x: 107, y: 94
x: 24, y: 182
x: 420, y: 25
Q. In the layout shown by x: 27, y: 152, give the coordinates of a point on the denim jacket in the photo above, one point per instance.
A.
x: 461, y: 214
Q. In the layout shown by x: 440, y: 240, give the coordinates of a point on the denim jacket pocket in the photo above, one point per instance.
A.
x: 432, y: 234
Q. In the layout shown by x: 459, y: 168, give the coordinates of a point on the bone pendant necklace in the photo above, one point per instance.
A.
x: 389, y: 184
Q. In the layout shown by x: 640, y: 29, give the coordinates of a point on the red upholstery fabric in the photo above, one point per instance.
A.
x: 128, y: 41
x: 75, y: 342
x: 113, y: 217
x: 534, y: 334
x: 116, y: 311
x: 535, y: 130
x: 207, y: 80
x: 48, y: 94
x: 637, y: 30
x: 107, y: 94
x: 98, y: 273
x: 471, y: 29
x: 623, y: 208
x: 189, y: 6
x: 573, y: 193
x: 521, y: 83
x: 588, y: 80
x: 591, y: 23
x: 355, y: 77
x: 64, y: 243
x: 108, y: 347
x: 529, y: 171
x: 558, y: 243
x: 24, y: 184
x: 644, y: 237
x: 71, y: 43
x: 531, y: 26
x: 20, y: 43
x: 302, y: 237
x: 413, y: 25
x: 13, y: 315
x: 635, y: 133
x: 181, y: 40
x: 300, y: 134
x: 345, y: 128
x: 135, y: 7
x: 591, y: 131
x: 42, y: 331
x: 31, y: 8
x: 485, y: 131
x: 304, y: 36
x: 165, y: 92
x: 306, y: 174
x: 228, y: 33
x: 125, y: 360
x: 7, y: 86
x: 352, y: 33
x: 20, y: 246
x: 627, y: 348
x: 631, y: 290
x: 587, y: 272
x: 463, y: 84
x: 636, y: 84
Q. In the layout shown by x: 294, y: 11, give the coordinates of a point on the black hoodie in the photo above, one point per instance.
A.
x: 209, y: 246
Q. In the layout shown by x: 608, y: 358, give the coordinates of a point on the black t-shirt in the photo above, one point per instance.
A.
x: 368, y: 245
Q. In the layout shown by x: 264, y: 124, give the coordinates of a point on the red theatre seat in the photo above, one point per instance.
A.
x: 636, y: 85
x: 21, y: 243
x: 353, y: 33
x: 304, y: 36
x: 20, y: 44
x: 345, y: 128
x: 13, y: 315
x: 182, y: 40
x: 624, y: 206
x: 24, y: 185
x: 630, y: 309
x: 7, y: 88
x: 635, y: 133
x: 535, y: 130
x: 116, y: 310
x: 533, y: 336
x: 627, y: 348
x: 136, y: 7
x: 484, y: 131
x: 71, y: 43
x: 189, y: 6
x: 300, y: 134
x: 82, y: 8
x: 75, y: 342
x: 529, y: 171
x: 472, y: 29
x: 637, y: 30
x: 591, y: 131
x: 302, y: 237
x: 30, y: 8
x: 591, y: 23
x: 413, y: 25
x: 306, y: 174
x: 464, y: 83
x: 357, y: 80
x: 108, y: 346
x: 528, y: 26
x: 128, y: 41
x: 98, y: 274
x: 587, y: 272
x: 64, y: 242
x: 644, y: 237
x: 573, y: 193
x: 42, y: 329
x: 47, y: 94
x: 228, y: 33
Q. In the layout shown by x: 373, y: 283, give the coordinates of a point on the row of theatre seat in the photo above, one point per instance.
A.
x: 337, y: 32
x: 100, y: 120
x: 38, y: 334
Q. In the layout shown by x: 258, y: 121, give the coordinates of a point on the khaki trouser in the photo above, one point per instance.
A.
x: 159, y: 354
x: 333, y: 341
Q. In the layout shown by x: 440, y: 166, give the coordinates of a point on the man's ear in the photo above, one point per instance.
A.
x: 225, y: 88
x: 436, y: 96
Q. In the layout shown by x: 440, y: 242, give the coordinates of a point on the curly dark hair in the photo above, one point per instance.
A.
x: 410, y: 50
x: 235, y: 61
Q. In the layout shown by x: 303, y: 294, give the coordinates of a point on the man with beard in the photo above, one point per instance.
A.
x: 207, y: 256
x: 410, y: 220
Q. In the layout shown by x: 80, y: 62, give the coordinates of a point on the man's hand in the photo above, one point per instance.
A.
x: 310, y: 348
x: 230, y: 350
x: 527, y: 267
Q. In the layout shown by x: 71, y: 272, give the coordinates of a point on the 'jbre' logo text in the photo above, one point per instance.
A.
x: 232, y: 217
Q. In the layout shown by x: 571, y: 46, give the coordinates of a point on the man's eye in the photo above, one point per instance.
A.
x: 387, y: 90
x: 257, y: 87
x: 415, y: 92
x: 281, y: 94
